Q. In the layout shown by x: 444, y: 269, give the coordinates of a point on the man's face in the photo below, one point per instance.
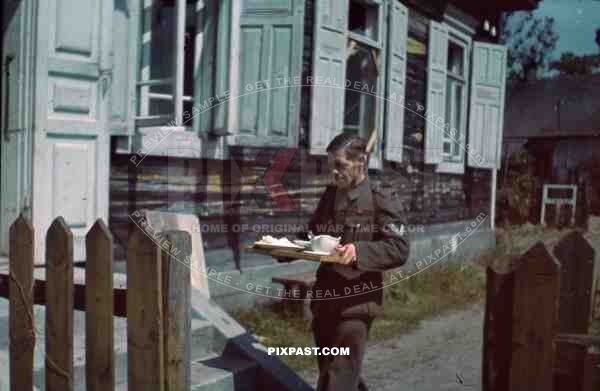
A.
x: 342, y: 171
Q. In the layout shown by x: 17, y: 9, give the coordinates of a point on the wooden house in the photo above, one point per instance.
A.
x: 224, y: 108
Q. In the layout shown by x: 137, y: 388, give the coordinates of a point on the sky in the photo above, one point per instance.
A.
x: 575, y: 22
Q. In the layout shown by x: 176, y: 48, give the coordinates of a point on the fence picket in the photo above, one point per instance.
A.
x: 591, y: 369
x: 99, y: 356
x: 22, y: 324
x: 176, y: 285
x: 59, y: 307
x: 576, y: 257
x: 145, y: 361
x: 534, y: 321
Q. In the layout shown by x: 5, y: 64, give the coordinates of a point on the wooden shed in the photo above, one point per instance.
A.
x: 558, y: 122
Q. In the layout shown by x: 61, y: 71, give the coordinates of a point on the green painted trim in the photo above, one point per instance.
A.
x: 71, y: 136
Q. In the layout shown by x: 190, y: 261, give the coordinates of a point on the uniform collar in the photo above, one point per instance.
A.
x: 358, y: 189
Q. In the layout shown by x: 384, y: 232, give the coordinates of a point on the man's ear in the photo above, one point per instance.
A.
x: 363, y: 160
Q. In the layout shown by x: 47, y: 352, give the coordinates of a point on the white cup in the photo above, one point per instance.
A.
x: 324, y: 243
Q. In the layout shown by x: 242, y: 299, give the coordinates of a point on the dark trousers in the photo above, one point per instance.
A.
x: 341, y: 373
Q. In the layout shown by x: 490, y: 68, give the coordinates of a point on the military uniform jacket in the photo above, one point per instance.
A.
x: 372, y: 218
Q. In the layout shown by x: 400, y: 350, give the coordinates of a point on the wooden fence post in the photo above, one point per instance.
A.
x: 576, y: 258
x: 59, y: 307
x: 22, y: 323
x: 497, y: 330
x: 177, y: 307
x: 591, y: 370
x: 145, y: 361
x: 534, y: 321
x: 99, y: 346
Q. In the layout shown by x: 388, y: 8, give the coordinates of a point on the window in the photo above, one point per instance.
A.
x: 197, y: 59
x: 349, y: 46
x: 359, y: 103
x: 447, y: 89
x: 362, y: 68
x: 165, y: 79
x: 363, y: 18
x: 456, y: 88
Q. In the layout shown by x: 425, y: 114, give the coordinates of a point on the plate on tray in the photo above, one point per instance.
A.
x: 303, y: 243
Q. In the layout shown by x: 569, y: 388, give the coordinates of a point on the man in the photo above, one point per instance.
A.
x: 371, y: 222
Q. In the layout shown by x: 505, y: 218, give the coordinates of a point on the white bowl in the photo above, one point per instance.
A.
x: 324, y: 243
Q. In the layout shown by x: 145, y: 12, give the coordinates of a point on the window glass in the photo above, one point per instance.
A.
x: 157, y: 99
x: 362, y: 19
x: 360, y: 100
x: 455, y: 99
x: 455, y: 59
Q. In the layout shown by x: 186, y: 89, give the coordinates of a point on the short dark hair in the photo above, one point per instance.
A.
x: 352, y: 146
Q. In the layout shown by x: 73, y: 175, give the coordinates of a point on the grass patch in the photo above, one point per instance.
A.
x: 438, y: 289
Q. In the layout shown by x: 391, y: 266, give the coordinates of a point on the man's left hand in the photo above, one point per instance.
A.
x: 346, y: 254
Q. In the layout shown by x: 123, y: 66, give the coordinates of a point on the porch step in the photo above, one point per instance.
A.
x: 223, y: 373
x: 206, y: 343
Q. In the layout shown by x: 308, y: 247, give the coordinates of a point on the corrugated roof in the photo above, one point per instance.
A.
x: 563, y: 106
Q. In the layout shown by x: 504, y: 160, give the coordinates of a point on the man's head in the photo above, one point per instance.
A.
x: 347, y: 159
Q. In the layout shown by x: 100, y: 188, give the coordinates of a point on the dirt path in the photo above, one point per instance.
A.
x: 437, y: 356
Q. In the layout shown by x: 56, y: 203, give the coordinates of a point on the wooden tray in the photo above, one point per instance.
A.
x: 269, y: 246
x: 291, y: 253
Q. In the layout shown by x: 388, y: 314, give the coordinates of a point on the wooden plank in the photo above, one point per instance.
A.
x: 568, y: 366
x: 576, y: 257
x: 22, y: 324
x: 144, y: 315
x: 578, y: 339
x: 281, y: 253
x: 39, y: 294
x: 99, y: 356
x: 497, y: 329
x: 59, y: 307
x: 591, y: 370
x: 177, y: 297
x: 534, y: 322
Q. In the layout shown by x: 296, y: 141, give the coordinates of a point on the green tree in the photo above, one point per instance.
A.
x: 571, y: 64
x: 530, y: 41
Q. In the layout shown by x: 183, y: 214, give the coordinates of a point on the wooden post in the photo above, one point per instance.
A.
x: 22, y: 324
x: 591, y: 370
x: 576, y: 257
x: 99, y: 356
x: 534, y: 323
x: 497, y: 330
x: 144, y: 315
x: 59, y: 307
x: 177, y: 308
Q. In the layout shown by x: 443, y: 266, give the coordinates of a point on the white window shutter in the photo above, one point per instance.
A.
x: 487, y: 105
x: 435, y: 107
x: 204, y: 67
x: 259, y: 52
x: 328, y: 72
x: 269, y: 55
x: 396, y: 81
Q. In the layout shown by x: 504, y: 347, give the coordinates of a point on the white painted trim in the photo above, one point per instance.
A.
x: 459, y: 20
x: 234, y: 68
x: 450, y: 167
x: 179, y: 61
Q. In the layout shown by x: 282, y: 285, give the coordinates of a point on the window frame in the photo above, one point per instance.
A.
x: 380, y: 48
x: 466, y: 42
x: 142, y: 81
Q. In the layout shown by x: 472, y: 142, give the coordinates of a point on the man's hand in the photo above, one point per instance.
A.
x: 346, y: 254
